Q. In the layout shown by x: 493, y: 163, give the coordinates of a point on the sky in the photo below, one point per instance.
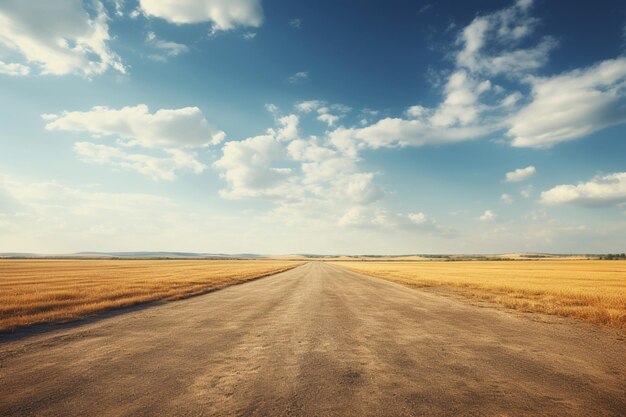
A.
x: 327, y: 126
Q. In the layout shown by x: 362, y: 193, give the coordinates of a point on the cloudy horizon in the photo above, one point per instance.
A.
x: 251, y: 126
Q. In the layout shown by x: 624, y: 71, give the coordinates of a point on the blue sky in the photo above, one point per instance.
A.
x: 389, y: 127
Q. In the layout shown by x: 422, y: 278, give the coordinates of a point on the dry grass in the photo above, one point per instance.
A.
x: 586, y: 289
x: 38, y: 291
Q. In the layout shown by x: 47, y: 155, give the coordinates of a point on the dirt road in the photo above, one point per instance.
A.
x: 315, y: 341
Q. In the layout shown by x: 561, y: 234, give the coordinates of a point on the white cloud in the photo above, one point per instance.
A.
x: 341, y: 108
x: 177, y: 128
x: 252, y: 168
x: 329, y: 114
x: 521, y: 174
x: 416, y: 112
x: 296, y: 23
x: 460, y: 106
x: 325, y: 116
x: 490, y: 43
x: 298, y: 77
x: 506, y: 199
x: 328, y: 118
x: 171, y: 132
x: 272, y: 108
x: 424, y: 8
x: 249, y: 36
x: 59, y: 38
x: 563, y: 107
x: 119, y: 7
x: 511, y: 100
x: 572, y: 105
x: 294, y: 171
x: 13, y: 69
x: 487, y: 216
x: 289, y: 127
x: 468, y: 110
x: 170, y: 49
x: 166, y: 168
x: 393, y: 132
x: 376, y: 218
x: 599, y: 191
x: 223, y: 14
x: 527, y: 191
x: 311, y: 182
x: 308, y: 106
x: 418, y: 218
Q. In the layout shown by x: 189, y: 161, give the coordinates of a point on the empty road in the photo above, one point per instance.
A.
x: 315, y: 341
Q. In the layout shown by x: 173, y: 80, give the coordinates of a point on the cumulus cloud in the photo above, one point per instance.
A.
x: 158, y: 168
x: 282, y: 166
x: 511, y: 100
x: 376, y: 218
x: 294, y: 172
x: 394, y: 132
x: 288, y: 127
x: 329, y: 114
x: 180, y: 128
x: 324, y: 115
x: 59, y: 38
x: 487, y: 216
x: 172, y: 132
x: 296, y: 23
x: 223, y: 14
x: 506, y: 199
x: 490, y: 43
x: 13, y: 69
x: 119, y: 7
x: 497, y: 50
x: 599, y: 191
x: 298, y: 77
x: 520, y: 174
x: 312, y: 182
x: 254, y: 167
x: 460, y: 107
x: 169, y: 49
x: 571, y: 105
x: 470, y: 107
x: 308, y: 106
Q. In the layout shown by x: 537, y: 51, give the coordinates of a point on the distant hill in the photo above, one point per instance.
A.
x: 142, y: 254
x: 302, y: 257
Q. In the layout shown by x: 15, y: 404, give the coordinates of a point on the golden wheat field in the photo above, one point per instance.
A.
x: 586, y: 289
x: 37, y: 291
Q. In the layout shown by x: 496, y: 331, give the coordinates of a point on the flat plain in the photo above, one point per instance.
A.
x: 317, y: 340
x: 40, y: 291
x: 592, y: 290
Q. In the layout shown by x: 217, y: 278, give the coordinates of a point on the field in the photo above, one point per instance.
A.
x: 38, y: 291
x: 591, y: 290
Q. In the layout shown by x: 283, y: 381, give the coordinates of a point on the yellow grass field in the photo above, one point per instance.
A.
x: 586, y: 289
x: 37, y: 291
